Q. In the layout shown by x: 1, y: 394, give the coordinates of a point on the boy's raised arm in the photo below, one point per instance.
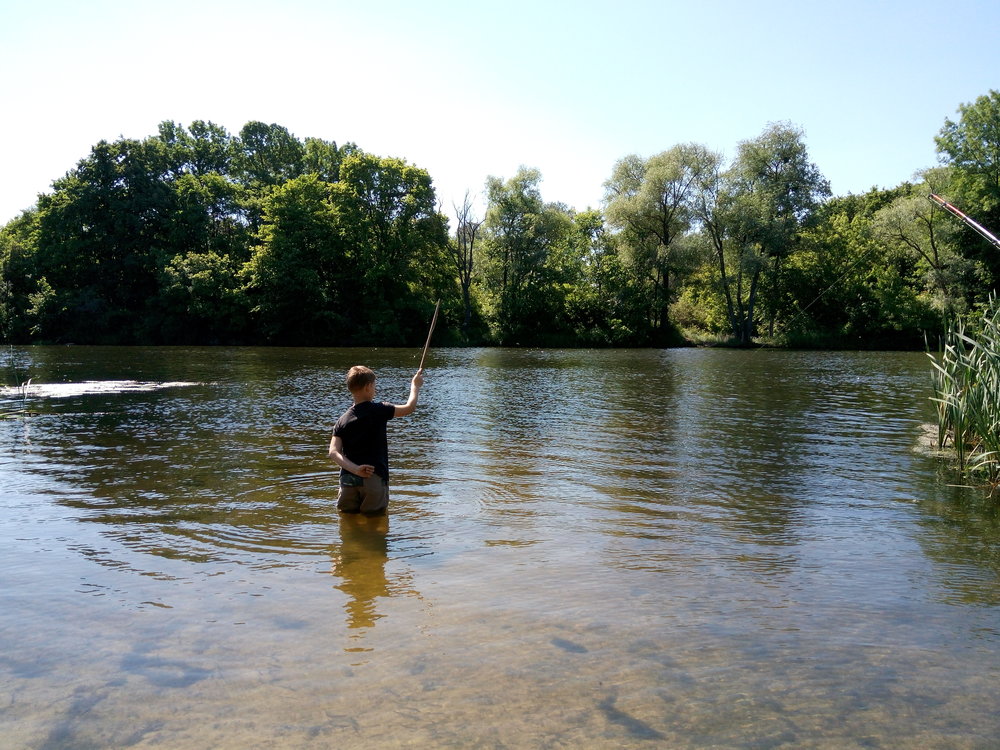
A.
x: 403, y: 410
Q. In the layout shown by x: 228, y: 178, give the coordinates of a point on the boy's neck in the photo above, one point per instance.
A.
x: 364, y: 395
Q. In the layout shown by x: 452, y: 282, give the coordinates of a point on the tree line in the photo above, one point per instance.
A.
x: 198, y: 236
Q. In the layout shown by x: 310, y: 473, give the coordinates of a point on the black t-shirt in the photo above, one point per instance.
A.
x: 362, y: 431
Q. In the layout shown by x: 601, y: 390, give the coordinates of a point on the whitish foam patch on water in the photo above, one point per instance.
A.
x: 87, y: 388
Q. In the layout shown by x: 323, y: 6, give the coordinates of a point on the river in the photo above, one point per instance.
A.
x: 680, y: 548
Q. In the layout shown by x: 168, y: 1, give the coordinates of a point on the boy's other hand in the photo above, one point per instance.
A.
x: 418, y: 379
x: 366, y: 470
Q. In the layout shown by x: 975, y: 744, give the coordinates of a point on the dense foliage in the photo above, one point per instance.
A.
x: 195, y: 235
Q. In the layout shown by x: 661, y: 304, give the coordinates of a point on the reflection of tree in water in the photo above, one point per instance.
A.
x: 360, y: 562
x: 964, y: 540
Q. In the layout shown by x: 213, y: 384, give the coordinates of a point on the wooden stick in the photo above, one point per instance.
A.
x: 430, y: 333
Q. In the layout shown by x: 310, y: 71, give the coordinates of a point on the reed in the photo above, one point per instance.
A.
x: 966, y: 380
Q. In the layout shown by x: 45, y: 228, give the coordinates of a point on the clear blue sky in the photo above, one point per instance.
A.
x: 467, y: 90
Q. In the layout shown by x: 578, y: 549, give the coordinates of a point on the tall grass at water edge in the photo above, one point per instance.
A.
x: 966, y: 379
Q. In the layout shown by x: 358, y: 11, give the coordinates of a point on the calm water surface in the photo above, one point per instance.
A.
x: 680, y: 548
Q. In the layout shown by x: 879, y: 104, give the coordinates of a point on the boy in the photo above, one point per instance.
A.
x: 359, y: 445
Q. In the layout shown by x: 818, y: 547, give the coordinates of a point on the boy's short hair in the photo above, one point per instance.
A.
x: 358, y: 377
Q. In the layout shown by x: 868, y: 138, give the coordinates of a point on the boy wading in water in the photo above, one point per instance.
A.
x: 360, y: 447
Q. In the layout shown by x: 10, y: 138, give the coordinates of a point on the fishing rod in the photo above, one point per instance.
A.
x: 968, y: 220
x: 430, y: 333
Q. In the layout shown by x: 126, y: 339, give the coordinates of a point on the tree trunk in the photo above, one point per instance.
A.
x: 747, y: 329
x: 467, y: 302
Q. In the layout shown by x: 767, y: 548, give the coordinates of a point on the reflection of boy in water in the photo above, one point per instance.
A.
x: 360, y: 562
x: 359, y: 444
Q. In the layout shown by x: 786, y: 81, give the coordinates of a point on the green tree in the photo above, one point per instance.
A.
x: 845, y: 285
x: 463, y: 251
x: 18, y: 278
x: 208, y: 217
x: 323, y: 158
x: 604, y: 304
x: 211, y: 214
x: 913, y: 224
x: 205, y: 148
x: 295, y: 278
x: 533, y: 264
x: 397, y: 247
x: 175, y: 238
x: 513, y: 255
x: 102, y: 235
x: 971, y: 147
x: 651, y: 205
x: 754, y: 214
x: 267, y: 155
x: 570, y: 239
x: 202, y: 299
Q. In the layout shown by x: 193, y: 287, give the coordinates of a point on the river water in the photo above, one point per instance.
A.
x: 678, y: 548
